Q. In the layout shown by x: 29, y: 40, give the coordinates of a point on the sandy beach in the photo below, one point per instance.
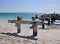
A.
x: 29, y: 21
x: 8, y: 35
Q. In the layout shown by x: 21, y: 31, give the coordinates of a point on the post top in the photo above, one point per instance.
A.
x: 19, y: 18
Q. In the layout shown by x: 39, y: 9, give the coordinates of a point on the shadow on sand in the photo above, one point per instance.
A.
x: 15, y: 34
x: 57, y: 24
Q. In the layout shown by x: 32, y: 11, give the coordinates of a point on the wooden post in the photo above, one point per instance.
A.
x: 48, y: 21
x: 18, y: 24
x: 43, y: 26
x: 34, y: 27
x: 36, y: 16
x: 51, y: 21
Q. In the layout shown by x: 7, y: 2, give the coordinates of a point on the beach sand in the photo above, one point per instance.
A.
x: 8, y: 35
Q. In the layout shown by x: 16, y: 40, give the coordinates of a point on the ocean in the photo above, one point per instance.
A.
x: 4, y: 17
x: 13, y: 16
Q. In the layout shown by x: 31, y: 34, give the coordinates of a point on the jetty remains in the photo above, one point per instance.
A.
x: 33, y: 22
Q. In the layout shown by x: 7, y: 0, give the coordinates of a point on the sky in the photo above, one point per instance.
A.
x: 41, y: 6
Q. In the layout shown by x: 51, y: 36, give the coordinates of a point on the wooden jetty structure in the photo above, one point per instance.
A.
x: 33, y: 22
x: 43, y: 18
x: 49, y: 17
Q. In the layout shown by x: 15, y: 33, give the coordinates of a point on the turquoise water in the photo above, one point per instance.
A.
x: 13, y: 16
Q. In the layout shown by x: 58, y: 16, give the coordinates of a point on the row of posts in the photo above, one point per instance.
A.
x: 34, y: 25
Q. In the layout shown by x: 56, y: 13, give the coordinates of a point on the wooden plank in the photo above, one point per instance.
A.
x: 25, y: 22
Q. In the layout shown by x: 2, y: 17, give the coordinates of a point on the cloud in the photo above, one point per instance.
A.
x: 52, y: 5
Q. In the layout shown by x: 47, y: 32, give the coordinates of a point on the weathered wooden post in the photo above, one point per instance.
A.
x: 18, y: 24
x: 43, y: 26
x: 48, y: 21
x: 51, y: 21
x: 36, y: 16
x: 34, y: 27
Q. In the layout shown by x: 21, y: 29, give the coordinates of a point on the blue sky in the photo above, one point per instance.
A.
x: 41, y: 6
